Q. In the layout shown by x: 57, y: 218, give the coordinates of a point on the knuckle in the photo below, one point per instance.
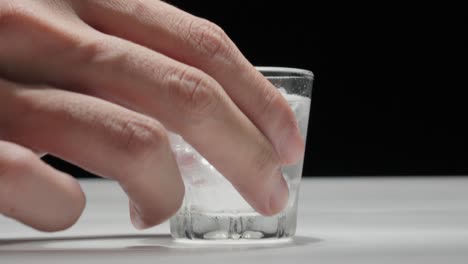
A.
x: 140, y: 138
x: 96, y: 50
x: 12, y: 12
x: 208, y: 38
x: 193, y: 91
x: 102, y: 51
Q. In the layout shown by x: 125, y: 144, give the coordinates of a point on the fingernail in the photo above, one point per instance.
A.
x: 136, y: 218
x: 293, y: 147
x: 279, y: 196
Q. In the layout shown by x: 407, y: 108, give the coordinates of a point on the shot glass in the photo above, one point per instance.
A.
x: 212, y: 209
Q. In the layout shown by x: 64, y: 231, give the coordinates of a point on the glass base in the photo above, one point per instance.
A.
x: 195, y: 225
x: 230, y: 242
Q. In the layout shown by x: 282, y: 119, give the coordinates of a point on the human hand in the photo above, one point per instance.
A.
x: 99, y: 83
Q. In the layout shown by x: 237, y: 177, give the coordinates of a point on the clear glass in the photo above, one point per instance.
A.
x: 212, y: 208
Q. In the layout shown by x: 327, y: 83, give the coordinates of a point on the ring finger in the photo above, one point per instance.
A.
x: 104, y: 138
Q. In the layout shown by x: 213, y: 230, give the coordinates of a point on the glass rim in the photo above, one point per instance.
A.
x: 285, y: 70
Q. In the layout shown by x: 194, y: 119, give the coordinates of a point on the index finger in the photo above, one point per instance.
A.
x: 204, y: 45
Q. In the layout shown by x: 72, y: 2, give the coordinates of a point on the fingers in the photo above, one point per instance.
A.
x: 204, y: 45
x: 101, y: 137
x: 190, y: 103
x: 184, y: 99
x: 36, y: 194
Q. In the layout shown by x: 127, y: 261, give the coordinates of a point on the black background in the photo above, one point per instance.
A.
x: 388, y: 98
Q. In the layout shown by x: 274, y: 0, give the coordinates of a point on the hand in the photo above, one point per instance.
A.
x: 99, y: 83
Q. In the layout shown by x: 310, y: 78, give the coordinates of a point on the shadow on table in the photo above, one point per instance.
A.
x: 159, y: 244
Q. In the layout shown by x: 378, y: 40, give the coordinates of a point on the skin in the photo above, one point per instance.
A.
x: 99, y: 84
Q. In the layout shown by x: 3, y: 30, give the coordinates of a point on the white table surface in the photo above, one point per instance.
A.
x: 341, y: 220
